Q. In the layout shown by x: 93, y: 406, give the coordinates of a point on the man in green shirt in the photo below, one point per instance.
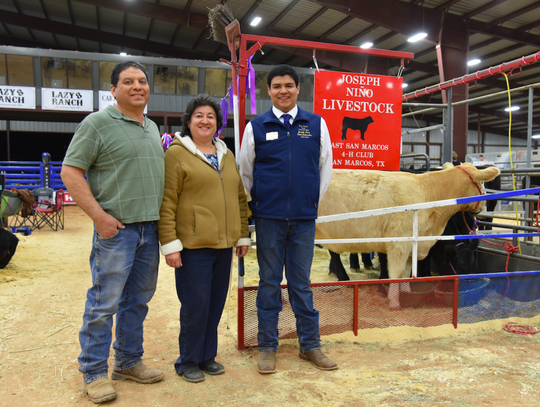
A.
x: 120, y: 151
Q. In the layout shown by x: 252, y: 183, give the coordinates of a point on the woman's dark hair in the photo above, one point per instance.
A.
x: 198, y: 101
x: 282, y: 70
x: 118, y: 69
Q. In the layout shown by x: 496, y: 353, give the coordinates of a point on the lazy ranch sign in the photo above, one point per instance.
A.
x: 363, y: 114
x: 18, y: 97
x: 67, y: 99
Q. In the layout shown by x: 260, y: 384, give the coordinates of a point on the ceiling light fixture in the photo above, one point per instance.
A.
x: 366, y: 45
x: 255, y: 21
x: 422, y: 34
x: 475, y: 61
x: 511, y: 109
x: 536, y: 136
x: 417, y: 37
x: 404, y: 85
x: 123, y: 54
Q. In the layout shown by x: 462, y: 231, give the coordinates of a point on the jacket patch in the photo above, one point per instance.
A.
x: 303, y: 131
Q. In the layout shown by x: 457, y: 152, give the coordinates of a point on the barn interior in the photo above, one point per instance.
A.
x: 461, y: 37
x: 73, y: 44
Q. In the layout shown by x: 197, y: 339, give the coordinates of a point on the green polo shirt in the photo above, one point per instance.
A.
x: 124, y: 164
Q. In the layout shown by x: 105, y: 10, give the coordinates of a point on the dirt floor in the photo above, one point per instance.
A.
x: 42, y: 294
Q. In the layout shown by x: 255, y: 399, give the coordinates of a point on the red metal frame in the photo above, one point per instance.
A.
x: 241, y: 66
x: 259, y: 41
x: 473, y: 77
x: 356, y: 284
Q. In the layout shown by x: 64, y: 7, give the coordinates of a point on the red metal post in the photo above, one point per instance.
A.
x: 355, y: 311
x: 242, y: 75
x: 240, y: 319
x: 455, y: 303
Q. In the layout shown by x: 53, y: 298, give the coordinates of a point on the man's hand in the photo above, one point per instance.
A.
x: 107, y: 225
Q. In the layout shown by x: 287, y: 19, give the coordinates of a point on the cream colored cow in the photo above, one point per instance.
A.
x: 354, y: 190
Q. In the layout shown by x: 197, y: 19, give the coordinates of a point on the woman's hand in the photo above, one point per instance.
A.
x: 174, y: 260
x: 241, y: 251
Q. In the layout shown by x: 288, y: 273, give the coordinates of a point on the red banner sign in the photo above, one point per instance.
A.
x: 68, y: 200
x: 363, y: 114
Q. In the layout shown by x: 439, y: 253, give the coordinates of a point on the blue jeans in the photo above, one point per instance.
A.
x: 201, y: 285
x: 124, y: 277
x: 290, y: 244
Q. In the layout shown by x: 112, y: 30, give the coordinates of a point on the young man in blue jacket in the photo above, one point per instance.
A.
x: 286, y: 166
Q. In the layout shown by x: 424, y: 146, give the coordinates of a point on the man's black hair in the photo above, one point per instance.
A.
x: 282, y: 70
x: 122, y: 66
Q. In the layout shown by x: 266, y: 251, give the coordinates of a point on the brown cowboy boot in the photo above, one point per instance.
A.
x: 267, y: 362
x: 139, y: 373
x: 319, y: 360
x: 100, y: 391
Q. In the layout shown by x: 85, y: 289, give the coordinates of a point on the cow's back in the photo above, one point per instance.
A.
x: 354, y: 191
x: 357, y: 190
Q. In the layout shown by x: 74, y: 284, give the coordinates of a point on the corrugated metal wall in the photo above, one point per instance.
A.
x: 40, y: 127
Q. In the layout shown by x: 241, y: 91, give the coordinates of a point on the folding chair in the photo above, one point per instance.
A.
x: 9, y: 205
x: 50, y: 213
x: 44, y: 197
x: 24, y: 218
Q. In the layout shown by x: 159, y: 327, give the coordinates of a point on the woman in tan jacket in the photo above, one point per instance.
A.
x: 203, y: 215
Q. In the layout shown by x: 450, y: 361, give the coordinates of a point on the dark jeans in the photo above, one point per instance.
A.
x: 286, y: 243
x: 201, y: 285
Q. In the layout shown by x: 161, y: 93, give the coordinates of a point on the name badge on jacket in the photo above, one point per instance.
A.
x: 273, y: 135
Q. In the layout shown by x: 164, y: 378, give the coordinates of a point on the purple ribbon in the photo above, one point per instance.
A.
x: 452, y: 267
x: 228, y: 107
x: 166, y: 140
x: 224, y: 110
x: 250, y: 84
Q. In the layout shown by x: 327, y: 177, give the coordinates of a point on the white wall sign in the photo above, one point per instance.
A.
x: 17, y: 97
x: 67, y: 99
x: 106, y: 98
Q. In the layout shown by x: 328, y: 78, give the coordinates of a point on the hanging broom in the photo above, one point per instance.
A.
x: 223, y: 26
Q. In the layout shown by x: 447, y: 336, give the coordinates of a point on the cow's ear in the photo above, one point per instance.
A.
x: 447, y: 166
x: 486, y: 175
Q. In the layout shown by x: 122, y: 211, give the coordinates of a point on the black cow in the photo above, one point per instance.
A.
x: 455, y: 256
x: 355, y: 124
x: 336, y: 266
x: 8, y: 244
